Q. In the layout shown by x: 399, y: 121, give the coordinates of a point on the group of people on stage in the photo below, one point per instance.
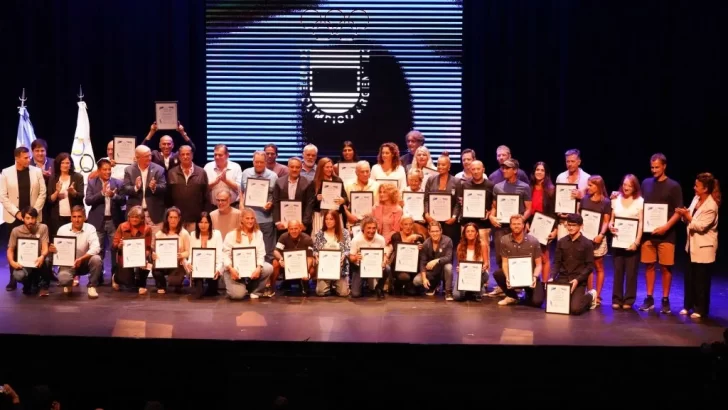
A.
x: 316, y: 205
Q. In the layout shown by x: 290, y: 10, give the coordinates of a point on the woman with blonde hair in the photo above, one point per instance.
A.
x: 388, y: 212
x: 247, y: 234
x: 402, y: 281
x: 628, y: 204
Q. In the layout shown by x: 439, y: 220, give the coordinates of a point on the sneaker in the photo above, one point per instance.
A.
x: 497, y: 291
x: 430, y: 292
x: 593, y: 293
x: 269, y: 292
x: 254, y: 296
x: 696, y: 316
x: 507, y: 301
x: 478, y: 297
x: 665, y: 306
x: 66, y: 290
x: 92, y: 293
x: 648, y: 304
x: 44, y: 292
x: 684, y: 312
x: 448, y: 296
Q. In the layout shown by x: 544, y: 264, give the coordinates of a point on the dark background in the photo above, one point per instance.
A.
x: 619, y: 80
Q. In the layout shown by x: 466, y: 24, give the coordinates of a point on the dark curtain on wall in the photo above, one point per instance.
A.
x: 125, y: 54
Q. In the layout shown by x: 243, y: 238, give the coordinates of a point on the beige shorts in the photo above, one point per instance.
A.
x: 661, y: 251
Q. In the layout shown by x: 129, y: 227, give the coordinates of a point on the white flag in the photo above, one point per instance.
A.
x: 82, y: 151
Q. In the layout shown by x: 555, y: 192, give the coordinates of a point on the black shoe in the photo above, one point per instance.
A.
x: 665, y: 306
x: 380, y: 294
x: 648, y: 304
x: 12, y: 285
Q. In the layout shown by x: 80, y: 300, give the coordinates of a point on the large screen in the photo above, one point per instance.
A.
x: 322, y: 72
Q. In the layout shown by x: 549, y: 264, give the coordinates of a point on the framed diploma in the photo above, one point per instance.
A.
x: 124, y: 149
x: 296, y: 264
x: 541, y: 227
x: 470, y: 276
x: 506, y: 206
x: 166, y: 250
x: 654, y: 216
x: 371, y: 262
x: 330, y: 191
x: 291, y: 211
x: 474, y: 201
x: 347, y: 172
x: 592, y: 224
x: 626, y: 232
x: 329, y: 265
x: 440, y: 206
x: 414, y: 205
x: 65, y: 251
x: 245, y: 260
x: 427, y: 172
x: 362, y: 202
x: 392, y: 181
x: 28, y: 251
x: 563, y: 202
x: 134, y: 253
x: 558, y: 298
x: 166, y: 115
x: 355, y: 230
x: 520, y: 272
x: 408, y: 258
x: 204, y: 262
x: 256, y: 192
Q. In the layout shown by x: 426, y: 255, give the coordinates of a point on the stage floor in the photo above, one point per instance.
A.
x: 428, y: 320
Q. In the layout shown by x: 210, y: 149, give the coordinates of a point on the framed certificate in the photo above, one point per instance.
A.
x: 474, y: 201
x: 291, y: 211
x: 392, y: 181
x: 408, y: 258
x: 124, y: 149
x: 355, y: 230
x: 564, y: 203
x: 654, y: 216
x: 65, y: 251
x: 440, y: 206
x: 204, y: 263
x: 134, y: 253
x: 347, y: 172
x: 541, y: 227
x: 427, y: 173
x: 296, y: 264
x: 362, y: 202
x: 470, y: 276
x: 414, y: 205
x: 507, y: 205
x: 592, y: 224
x: 245, y: 260
x: 520, y: 272
x: 28, y: 251
x: 371, y: 262
x: 329, y: 265
x: 558, y: 298
x: 166, y: 250
x: 166, y: 115
x: 330, y: 191
x: 256, y: 192
x: 626, y: 232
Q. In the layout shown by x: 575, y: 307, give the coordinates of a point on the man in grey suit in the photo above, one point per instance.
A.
x: 145, y: 186
x: 102, y: 195
x: 294, y: 188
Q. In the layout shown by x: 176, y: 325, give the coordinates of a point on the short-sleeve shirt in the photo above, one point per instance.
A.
x: 603, y: 207
x: 529, y: 247
x: 304, y: 241
x: 662, y: 192
x: 41, y: 233
x: 520, y: 188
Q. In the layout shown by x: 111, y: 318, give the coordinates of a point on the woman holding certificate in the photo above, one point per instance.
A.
x: 204, y: 237
x: 388, y: 213
x: 413, y: 200
x: 388, y: 166
x: 543, y: 195
x: 330, y: 193
x: 333, y: 237
x: 441, y: 201
x: 171, y: 250
x: 470, y: 254
x: 243, y: 249
x: 702, y: 220
x: 626, y: 226
x: 133, y: 243
x: 422, y: 162
x: 402, y: 281
x: 349, y: 157
x: 596, y: 211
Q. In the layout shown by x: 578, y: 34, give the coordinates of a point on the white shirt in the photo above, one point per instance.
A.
x: 87, y: 241
x: 378, y: 173
x: 581, y: 183
x: 64, y: 205
x: 360, y: 241
x: 144, y: 172
x: 634, y: 210
x: 230, y: 243
x: 233, y: 172
x: 107, y: 200
x: 215, y: 242
x: 292, y: 186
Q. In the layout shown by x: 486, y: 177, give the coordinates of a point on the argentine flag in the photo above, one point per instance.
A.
x: 26, y: 134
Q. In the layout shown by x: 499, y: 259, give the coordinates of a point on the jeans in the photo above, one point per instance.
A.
x: 107, y: 231
x: 91, y: 266
x: 27, y: 276
x: 238, y: 289
x: 434, y: 276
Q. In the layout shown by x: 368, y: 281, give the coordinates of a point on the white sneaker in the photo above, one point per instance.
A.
x: 66, y: 290
x: 593, y: 292
x: 92, y: 293
x: 497, y: 291
x: 507, y: 301
x: 254, y: 296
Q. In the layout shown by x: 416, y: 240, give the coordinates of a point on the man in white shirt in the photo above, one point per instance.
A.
x: 223, y: 175
x: 87, y: 259
x: 368, y: 238
x: 573, y: 175
x: 362, y: 183
x: 310, y: 155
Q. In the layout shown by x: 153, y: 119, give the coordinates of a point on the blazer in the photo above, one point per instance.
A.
x: 53, y: 207
x: 155, y: 200
x: 452, y: 188
x: 444, y: 253
x: 158, y: 158
x: 702, y: 243
x: 304, y: 193
x: 9, y: 192
x: 97, y: 202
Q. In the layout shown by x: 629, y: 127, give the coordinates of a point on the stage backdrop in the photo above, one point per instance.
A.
x: 322, y: 72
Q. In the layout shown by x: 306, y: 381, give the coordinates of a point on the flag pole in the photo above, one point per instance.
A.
x: 22, y: 99
x: 80, y: 93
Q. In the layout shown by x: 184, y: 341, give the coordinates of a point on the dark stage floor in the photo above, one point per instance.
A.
x: 424, y: 319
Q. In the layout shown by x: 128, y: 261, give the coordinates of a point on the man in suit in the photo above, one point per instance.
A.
x: 165, y: 157
x: 187, y: 189
x: 294, y: 188
x: 40, y: 157
x: 21, y: 186
x: 102, y: 195
x: 435, y: 261
x: 145, y: 185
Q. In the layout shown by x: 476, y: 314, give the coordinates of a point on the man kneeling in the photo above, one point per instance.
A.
x: 519, y: 244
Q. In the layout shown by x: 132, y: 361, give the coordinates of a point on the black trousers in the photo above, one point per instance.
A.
x: 172, y: 277
x: 198, y: 287
x: 580, y: 300
x: 626, y: 264
x: 697, y: 288
x: 534, y: 296
x: 132, y: 277
x: 357, y: 281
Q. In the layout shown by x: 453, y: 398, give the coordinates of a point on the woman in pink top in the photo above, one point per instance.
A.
x: 388, y: 213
